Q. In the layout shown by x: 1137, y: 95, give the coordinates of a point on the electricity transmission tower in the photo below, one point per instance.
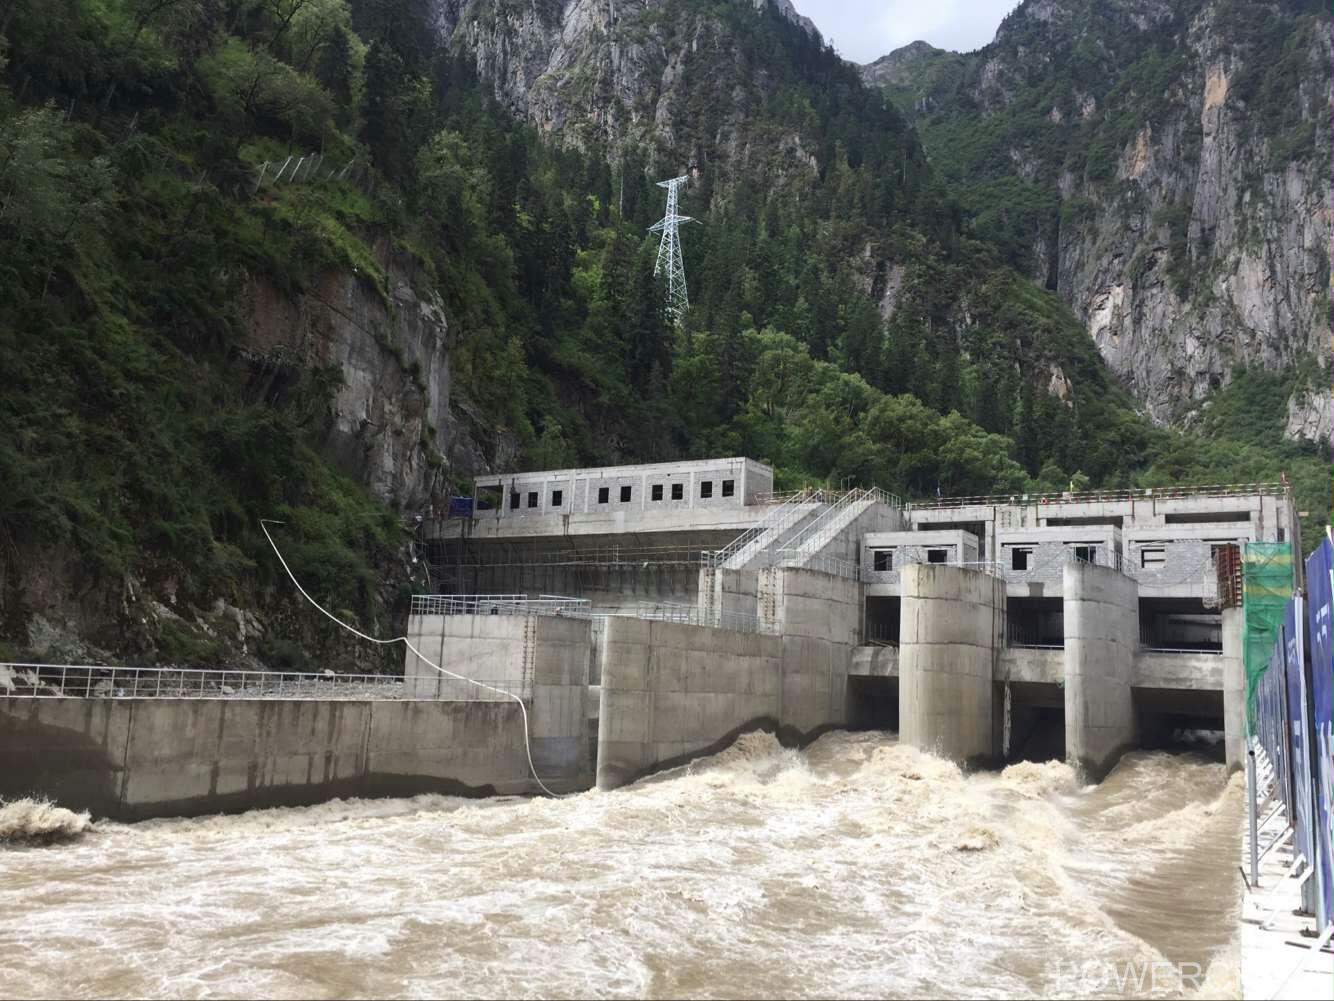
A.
x: 670, y: 258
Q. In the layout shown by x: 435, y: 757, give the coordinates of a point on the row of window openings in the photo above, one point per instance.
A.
x: 627, y: 493
x: 882, y: 560
x: 1149, y: 558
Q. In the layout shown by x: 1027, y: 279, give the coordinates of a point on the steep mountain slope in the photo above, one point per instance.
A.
x: 1166, y: 168
x: 322, y: 261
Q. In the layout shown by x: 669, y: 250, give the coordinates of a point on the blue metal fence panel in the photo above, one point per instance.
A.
x: 1320, y: 610
x: 1293, y: 640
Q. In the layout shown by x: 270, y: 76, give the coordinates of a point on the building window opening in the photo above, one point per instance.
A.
x: 1152, y: 559
x: 1019, y: 558
x: 882, y: 560
x: 706, y: 488
x: 678, y: 491
x: 1086, y: 554
x: 556, y: 497
x: 625, y: 494
x: 656, y: 491
x: 604, y: 494
x: 937, y: 555
x: 729, y: 488
x: 514, y: 500
x: 532, y: 498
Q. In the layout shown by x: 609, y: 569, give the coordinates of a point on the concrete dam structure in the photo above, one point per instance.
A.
x: 629, y: 619
x: 983, y: 629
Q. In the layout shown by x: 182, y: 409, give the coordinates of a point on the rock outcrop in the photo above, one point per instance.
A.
x: 1180, y: 154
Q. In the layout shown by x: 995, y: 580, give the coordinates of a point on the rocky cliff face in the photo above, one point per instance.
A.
x: 391, y: 425
x: 1178, y: 162
x: 610, y: 71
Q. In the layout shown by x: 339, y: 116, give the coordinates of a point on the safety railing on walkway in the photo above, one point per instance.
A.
x: 691, y: 615
x: 1096, y: 496
x: 821, y: 531
x: 497, y: 604
x: 832, y: 565
x: 772, y: 526
x: 95, y: 681
x: 869, y: 575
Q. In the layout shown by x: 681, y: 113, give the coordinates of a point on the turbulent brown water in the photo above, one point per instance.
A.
x: 854, y: 868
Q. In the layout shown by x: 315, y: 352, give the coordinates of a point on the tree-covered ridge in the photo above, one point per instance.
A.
x: 1075, y: 88
x: 844, y: 324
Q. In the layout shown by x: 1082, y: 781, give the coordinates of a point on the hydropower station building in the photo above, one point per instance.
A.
x: 649, y: 613
x: 590, y: 626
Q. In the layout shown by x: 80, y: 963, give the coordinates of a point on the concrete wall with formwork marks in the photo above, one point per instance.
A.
x: 130, y: 759
x: 1101, y: 639
x: 672, y: 691
x: 953, y: 622
x: 542, y: 658
x: 818, y: 616
x: 1234, y: 689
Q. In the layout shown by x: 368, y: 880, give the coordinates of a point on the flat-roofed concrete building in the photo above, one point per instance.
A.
x: 656, y: 488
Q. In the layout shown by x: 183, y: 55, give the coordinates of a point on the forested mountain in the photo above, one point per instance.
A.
x: 323, y: 260
x: 1166, y: 168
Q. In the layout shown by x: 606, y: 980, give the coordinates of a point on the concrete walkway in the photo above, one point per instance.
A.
x: 1276, y: 960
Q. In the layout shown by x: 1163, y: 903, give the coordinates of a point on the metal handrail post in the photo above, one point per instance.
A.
x: 1252, y: 808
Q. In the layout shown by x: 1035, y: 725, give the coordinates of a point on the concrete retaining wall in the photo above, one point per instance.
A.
x: 1234, y: 689
x: 544, y: 658
x: 130, y: 759
x: 1101, y: 638
x: 953, y: 621
x: 818, y: 616
x: 724, y: 593
x: 672, y: 691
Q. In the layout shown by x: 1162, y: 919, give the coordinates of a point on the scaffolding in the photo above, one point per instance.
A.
x: 1267, y: 584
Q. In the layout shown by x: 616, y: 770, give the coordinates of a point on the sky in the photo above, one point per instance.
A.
x: 864, y: 30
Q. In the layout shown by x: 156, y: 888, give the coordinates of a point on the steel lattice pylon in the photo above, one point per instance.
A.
x: 670, y: 258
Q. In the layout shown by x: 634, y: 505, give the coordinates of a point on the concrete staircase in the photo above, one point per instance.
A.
x: 756, y: 546
x: 807, y: 548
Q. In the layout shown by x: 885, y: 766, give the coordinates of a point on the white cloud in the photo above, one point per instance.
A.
x: 864, y: 30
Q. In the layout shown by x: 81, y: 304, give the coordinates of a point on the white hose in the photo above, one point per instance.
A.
x: 527, y: 741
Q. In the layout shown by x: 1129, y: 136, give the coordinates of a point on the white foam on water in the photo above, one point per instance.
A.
x: 39, y: 821
x: 857, y: 867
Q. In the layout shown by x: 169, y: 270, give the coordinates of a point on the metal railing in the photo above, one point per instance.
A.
x: 1095, y: 496
x: 95, y: 681
x: 832, y: 565
x: 873, y: 576
x: 692, y: 615
x: 881, y: 634
x: 777, y: 521
x: 1151, y: 641
x: 830, y: 522
x: 497, y: 604
x: 1028, y: 636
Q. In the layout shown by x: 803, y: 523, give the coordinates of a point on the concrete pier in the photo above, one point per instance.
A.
x: 1234, y: 689
x: 672, y: 691
x: 544, y: 659
x: 1101, y: 637
x: 953, y: 623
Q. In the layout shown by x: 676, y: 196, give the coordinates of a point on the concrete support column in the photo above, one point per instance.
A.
x: 1101, y: 637
x: 1234, y: 689
x: 951, y: 624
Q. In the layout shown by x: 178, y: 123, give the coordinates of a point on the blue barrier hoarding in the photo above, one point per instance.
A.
x: 1320, y: 610
x: 1271, y: 697
x: 1293, y: 640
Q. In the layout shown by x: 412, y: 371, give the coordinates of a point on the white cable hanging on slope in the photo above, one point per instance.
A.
x: 527, y: 740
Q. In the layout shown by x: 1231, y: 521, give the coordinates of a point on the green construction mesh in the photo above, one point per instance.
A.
x: 1266, y: 586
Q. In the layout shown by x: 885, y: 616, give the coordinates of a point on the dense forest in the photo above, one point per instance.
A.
x: 139, y: 442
